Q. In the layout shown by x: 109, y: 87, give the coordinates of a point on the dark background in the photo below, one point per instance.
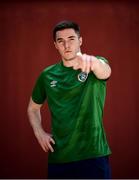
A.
x: 109, y: 29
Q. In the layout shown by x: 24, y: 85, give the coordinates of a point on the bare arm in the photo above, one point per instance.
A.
x: 34, y: 115
x: 101, y: 69
x: 89, y: 63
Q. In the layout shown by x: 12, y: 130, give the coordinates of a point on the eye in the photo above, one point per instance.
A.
x: 60, y: 41
x: 72, y: 39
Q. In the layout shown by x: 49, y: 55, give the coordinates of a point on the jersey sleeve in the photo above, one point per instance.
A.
x: 39, y: 92
x: 102, y: 59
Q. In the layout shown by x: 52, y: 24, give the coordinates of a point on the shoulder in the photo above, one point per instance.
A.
x: 49, y: 69
x: 43, y: 74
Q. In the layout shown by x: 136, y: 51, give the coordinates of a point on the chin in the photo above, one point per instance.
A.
x: 69, y: 58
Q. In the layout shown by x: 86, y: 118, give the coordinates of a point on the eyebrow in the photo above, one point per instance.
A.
x: 68, y: 38
x: 71, y: 37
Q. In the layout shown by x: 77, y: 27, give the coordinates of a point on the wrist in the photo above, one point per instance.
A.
x: 38, y: 131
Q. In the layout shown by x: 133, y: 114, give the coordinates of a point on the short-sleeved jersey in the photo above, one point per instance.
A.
x: 76, y: 104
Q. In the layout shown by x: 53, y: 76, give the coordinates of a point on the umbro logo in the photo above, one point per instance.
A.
x: 53, y: 83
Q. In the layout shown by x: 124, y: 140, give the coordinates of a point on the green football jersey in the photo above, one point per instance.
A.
x: 76, y: 102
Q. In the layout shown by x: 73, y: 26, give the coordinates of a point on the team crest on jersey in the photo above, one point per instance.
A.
x: 82, y: 76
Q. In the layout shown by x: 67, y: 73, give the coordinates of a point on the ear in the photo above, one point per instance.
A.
x: 55, y: 45
x: 80, y: 40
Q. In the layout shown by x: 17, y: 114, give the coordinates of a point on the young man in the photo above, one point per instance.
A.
x: 75, y: 91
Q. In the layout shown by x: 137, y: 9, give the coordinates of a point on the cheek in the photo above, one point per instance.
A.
x: 60, y: 50
x: 78, y: 44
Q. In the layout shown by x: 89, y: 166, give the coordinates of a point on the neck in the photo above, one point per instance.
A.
x: 69, y: 63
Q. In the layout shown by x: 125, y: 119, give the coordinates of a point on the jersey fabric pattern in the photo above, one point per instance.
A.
x: 76, y: 112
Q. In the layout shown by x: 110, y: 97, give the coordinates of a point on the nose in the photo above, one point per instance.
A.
x: 66, y: 44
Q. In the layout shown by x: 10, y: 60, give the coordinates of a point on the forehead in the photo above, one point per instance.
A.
x: 65, y: 33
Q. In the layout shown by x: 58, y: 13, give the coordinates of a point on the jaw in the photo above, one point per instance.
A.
x: 69, y: 58
x: 71, y: 55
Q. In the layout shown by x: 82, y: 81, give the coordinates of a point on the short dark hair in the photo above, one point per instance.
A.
x: 66, y: 25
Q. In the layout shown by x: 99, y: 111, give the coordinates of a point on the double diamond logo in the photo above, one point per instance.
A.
x: 53, y: 83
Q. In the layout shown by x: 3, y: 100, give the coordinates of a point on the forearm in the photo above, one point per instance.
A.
x: 43, y: 138
x: 34, y: 115
x: 89, y: 63
x: 101, y: 69
x: 35, y: 121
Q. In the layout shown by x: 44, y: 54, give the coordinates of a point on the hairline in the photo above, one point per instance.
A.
x: 78, y: 34
x: 66, y: 25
